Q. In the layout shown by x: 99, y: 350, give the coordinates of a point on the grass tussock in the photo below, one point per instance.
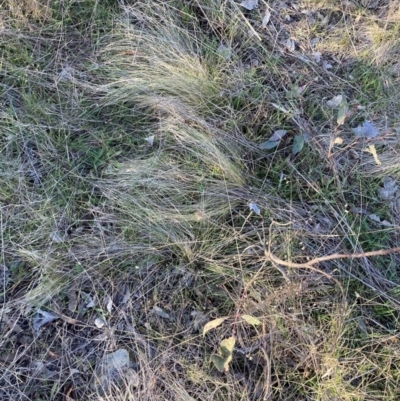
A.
x: 136, y: 204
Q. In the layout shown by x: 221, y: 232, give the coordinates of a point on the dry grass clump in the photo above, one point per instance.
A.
x: 130, y: 183
x: 24, y: 12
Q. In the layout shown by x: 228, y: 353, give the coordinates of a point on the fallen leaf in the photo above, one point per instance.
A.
x: 298, y: 144
x: 366, y: 130
x: 323, y: 20
x: 89, y: 299
x: 274, y: 140
x: 160, y: 312
x: 326, y: 66
x: 254, y: 62
x: 377, y: 219
x: 249, y: 4
x: 296, y: 91
x: 290, y: 45
x: 317, y: 56
x: 225, y: 351
x: 389, y: 189
x: 99, y: 323
x: 374, y: 217
x: 122, y: 295
x: 371, y: 149
x: 109, y: 304
x: 43, y: 317
x: 268, y: 145
x: 213, y: 324
x: 265, y: 20
x: 251, y: 320
x: 150, y: 140
x: 386, y: 223
x: 254, y: 208
x: 335, y: 101
x: 278, y: 135
x: 342, y: 112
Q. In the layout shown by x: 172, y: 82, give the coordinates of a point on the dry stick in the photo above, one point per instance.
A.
x: 314, y: 261
x: 310, y: 264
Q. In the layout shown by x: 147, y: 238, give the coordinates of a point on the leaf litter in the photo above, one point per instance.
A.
x: 389, y: 189
x: 224, y: 356
x: 42, y: 318
x: 298, y: 144
x: 335, y: 101
x: 249, y: 4
x: 160, y: 312
x: 366, y: 130
x: 274, y: 140
x: 266, y: 19
x: 254, y: 208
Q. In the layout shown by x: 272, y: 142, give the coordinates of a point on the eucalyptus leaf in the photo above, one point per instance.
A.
x: 254, y: 208
x: 42, y: 317
x: 298, y: 144
x: 342, y: 111
x: 335, y: 101
x: 160, y: 312
x: 225, y: 351
x: 273, y: 141
x: 249, y: 4
x: 251, y: 320
x: 220, y: 363
x: 389, y: 189
x: 278, y: 135
x: 267, y: 145
x: 213, y: 324
x: 266, y: 19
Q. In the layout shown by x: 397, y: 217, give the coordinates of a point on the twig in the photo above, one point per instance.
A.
x: 310, y: 264
x: 334, y: 256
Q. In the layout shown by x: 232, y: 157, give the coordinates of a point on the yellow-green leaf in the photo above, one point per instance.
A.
x: 227, y: 346
x: 213, y: 324
x: 371, y: 149
x: 251, y: 320
x: 220, y: 363
x: 225, y: 350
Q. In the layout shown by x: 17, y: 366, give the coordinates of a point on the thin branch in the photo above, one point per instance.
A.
x: 310, y: 264
x: 334, y: 256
